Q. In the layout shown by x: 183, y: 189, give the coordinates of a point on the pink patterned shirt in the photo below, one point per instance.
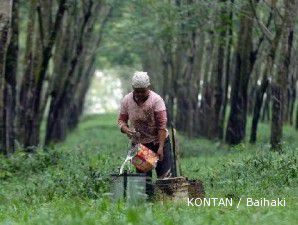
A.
x: 147, y: 118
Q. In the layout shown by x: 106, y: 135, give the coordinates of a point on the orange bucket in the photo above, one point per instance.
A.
x: 145, y: 159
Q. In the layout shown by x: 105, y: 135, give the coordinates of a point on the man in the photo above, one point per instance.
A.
x: 146, y: 112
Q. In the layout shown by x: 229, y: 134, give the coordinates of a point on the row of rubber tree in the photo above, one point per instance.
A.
x: 47, y: 59
x: 218, y: 63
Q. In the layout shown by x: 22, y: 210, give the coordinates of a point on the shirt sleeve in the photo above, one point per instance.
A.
x: 161, y: 119
x: 123, y: 106
x: 123, y: 115
x: 160, y: 114
x: 159, y: 105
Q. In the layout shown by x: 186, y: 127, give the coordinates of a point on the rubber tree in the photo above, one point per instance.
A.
x: 236, y: 126
x: 279, y: 86
x: 41, y: 37
x: 5, y: 33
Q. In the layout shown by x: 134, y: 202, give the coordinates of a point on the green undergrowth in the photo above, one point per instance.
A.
x: 68, y: 182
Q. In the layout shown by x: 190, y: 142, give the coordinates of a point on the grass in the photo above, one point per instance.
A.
x: 66, y: 184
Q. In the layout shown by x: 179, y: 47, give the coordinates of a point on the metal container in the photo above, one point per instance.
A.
x: 128, y: 186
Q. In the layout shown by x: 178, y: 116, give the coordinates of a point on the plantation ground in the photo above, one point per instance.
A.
x: 65, y: 184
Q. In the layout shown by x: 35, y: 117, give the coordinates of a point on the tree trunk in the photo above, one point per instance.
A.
x: 218, y: 95
x: 235, y: 132
x: 266, y: 108
x: 280, y: 87
x: 227, y: 73
x: 277, y: 119
x: 5, y: 24
x: 264, y: 84
x: 57, y: 124
x: 83, y: 86
x: 27, y: 78
x: 187, y: 98
x: 33, y: 80
x: 64, y: 100
x: 206, y: 111
x: 296, y: 126
x: 292, y: 100
x: 257, y: 108
x: 10, y: 81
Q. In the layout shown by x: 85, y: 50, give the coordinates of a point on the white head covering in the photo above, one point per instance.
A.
x: 140, y: 79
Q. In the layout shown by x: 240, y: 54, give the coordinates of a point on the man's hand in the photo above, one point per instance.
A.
x: 130, y: 133
x: 162, y: 134
x: 133, y: 134
x: 160, y: 153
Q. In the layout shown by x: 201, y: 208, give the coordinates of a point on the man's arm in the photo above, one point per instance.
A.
x: 161, y: 122
x: 123, y: 116
x: 162, y: 135
x: 122, y: 123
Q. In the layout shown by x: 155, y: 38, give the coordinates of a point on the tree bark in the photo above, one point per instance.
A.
x: 227, y: 72
x: 266, y: 108
x: 280, y: 87
x: 27, y: 80
x: 257, y: 108
x: 65, y: 100
x: 235, y: 132
x: 268, y: 72
x: 38, y: 56
x: 10, y: 81
x: 293, y: 83
x: 5, y: 25
x: 57, y: 124
x: 296, y: 126
x: 187, y: 98
x: 218, y: 95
